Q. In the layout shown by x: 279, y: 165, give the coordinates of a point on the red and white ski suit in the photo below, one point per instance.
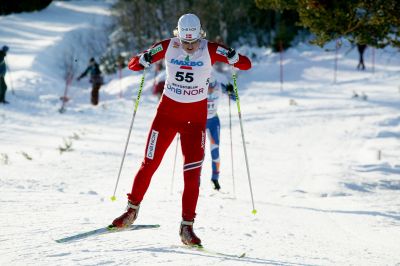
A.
x: 182, y: 109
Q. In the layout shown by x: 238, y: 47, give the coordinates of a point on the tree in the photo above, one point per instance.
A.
x: 12, y: 6
x: 372, y: 22
x: 140, y: 23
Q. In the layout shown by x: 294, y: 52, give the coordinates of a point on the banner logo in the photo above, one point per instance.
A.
x: 203, y: 139
x: 156, y: 49
x: 222, y: 51
x: 186, y: 63
x: 151, y: 148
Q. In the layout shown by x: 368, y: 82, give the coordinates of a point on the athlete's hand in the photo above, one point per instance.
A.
x: 232, y: 56
x: 229, y: 88
x: 145, y: 59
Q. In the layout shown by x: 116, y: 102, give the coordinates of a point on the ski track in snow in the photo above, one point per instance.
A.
x: 322, y: 194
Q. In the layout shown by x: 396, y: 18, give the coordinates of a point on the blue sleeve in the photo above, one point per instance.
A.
x: 85, y: 72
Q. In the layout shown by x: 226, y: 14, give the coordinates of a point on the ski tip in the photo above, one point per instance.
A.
x: 254, y: 211
x: 111, y: 227
x: 243, y: 255
x: 113, y: 198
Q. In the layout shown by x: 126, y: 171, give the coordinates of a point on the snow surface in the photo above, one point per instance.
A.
x: 324, y: 166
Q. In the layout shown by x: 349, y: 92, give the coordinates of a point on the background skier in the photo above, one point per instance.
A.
x: 361, y: 49
x: 159, y: 83
x: 95, y: 78
x: 215, y: 90
x: 3, y: 70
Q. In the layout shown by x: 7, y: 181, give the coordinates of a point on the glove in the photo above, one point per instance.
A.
x: 145, y: 59
x: 232, y: 56
x: 229, y: 87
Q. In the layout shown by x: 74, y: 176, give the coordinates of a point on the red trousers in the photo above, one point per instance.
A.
x: 189, y: 120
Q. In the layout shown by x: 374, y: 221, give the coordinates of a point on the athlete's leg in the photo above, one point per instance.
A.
x: 192, y: 141
x: 213, y: 127
x: 161, y: 134
x: 95, y: 94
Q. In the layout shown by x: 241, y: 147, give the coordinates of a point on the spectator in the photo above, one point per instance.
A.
x: 3, y: 70
x: 361, y: 49
x: 95, y: 78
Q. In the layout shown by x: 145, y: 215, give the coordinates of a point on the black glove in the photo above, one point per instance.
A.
x: 145, y: 59
x: 232, y: 56
x: 229, y: 88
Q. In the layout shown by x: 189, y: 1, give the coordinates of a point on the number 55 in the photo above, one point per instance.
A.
x: 180, y: 76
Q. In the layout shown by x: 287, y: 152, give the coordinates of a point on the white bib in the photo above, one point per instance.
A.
x: 187, y: 75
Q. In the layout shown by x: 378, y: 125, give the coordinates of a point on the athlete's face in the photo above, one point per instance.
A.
x: 190, y: 47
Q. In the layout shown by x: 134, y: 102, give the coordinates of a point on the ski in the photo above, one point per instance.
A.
x: 202, y: 249
x: 106, y: 230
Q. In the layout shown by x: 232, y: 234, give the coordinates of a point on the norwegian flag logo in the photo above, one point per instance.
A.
x: 188, y: 36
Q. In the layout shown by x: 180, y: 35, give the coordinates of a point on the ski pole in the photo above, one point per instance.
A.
x: 230, y: 133
x: 336, y: 61
x: 254, y: 211
x: 119, y: 80
x: 64, y: 98
x: 113, y: 198
x: 173, y: 171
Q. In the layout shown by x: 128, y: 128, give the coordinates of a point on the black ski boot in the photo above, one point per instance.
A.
x: 187, y: 235
x: 216, y: 184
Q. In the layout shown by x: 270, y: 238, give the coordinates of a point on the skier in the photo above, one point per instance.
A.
x: 159, y: 83
x: 158, y: 88
x: 215, y: 89
x: 95, y: 78
x: 361, y: 49
x: 3, y: 70
x: 182, y: 109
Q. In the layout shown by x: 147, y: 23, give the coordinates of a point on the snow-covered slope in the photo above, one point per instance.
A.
x: 324, y: 165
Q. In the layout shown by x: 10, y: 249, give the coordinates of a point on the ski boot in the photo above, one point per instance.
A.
x: 128, y: 217
x: 216, y: 184
x: 187, y: 235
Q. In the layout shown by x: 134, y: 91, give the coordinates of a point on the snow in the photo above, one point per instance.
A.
x: 324, y: 165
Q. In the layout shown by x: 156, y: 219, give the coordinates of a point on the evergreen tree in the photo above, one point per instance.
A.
x: 140, y: 23
x: 372, y: 22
